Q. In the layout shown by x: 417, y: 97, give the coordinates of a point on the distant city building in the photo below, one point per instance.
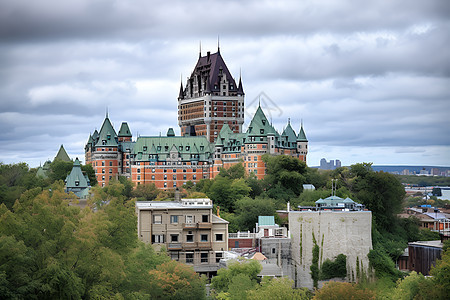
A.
x: 324, y: 165
x: 435, y: 172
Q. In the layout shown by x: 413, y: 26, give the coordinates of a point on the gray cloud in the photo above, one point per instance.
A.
x: 369, y: 79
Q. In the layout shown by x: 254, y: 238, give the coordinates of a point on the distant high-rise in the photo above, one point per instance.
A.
x: 324, y: 165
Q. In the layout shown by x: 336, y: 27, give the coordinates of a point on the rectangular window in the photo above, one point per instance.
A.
x: 204, y: 257
x: 157, y: 219
x: 139, y: 170
x: 205, y: 218
x: 139, y: 177
x: 189, y: 258
x: 174, y: 177
x: 174, y: 238
x: 219, y: 256
x: 204, y: 238
x: 189, y: 238
x: 157, y: 238
x: 153, y: 177
x: 219, y: 237
x: 189, y: 219
x: 174, y: 219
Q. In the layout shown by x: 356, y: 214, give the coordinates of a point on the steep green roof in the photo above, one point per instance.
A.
x: 43, y: 170
x: 62, y: 154
x: 107, y: 135
x: 95, y: 135
x: 160, y: 147
x: 259, y: 125
x: 125, y: 130
x: 76, y: 179
x: 290, y: 133
x: 230, y: 141
x: 301, y: 135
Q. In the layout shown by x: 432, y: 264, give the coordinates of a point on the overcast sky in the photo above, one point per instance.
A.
x: 369, y: 79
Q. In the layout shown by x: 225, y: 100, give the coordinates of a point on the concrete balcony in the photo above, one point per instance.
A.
x: 204, y: 245
x: 190, y: 246
x: 189, y: 226
x: 204, y: 225
x: 174, y: 246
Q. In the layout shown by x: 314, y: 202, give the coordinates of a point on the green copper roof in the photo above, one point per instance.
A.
x: 334, y: 201
x: 301, y: 135
x: 289, y: 133
x: 170, y: 132
x: 259, y: 125
x: 266, y: 220
x: 62, y: 154
x: 43, y: 171
x: 160, y: 147
x: 95, y: 135
x: 230, y: 141
x: 76, y: 179
x: 107, y: 135
x: 124, y: 130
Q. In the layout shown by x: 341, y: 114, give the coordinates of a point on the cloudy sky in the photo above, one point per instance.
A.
x: 369, y: 79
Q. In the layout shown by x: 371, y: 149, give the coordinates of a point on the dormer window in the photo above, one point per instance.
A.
x: 77, y: 183
x: 103, y: 142
x: 264, y: 122
x: 187, y: 148
x: 201, y: 148
x: 108, y: 137
x: 166, y: 148
x: 145, y: 148
x: 159, y: 148
x: 261, y: 131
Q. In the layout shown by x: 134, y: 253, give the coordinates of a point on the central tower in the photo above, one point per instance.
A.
x: 210, y: 99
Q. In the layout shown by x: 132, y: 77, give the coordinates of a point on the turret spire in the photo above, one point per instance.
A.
x: 218, y: 44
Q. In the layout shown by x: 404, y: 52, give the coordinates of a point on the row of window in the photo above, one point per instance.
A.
x: 174, y: 238
x: 174, y: 177
x: 174, y: 219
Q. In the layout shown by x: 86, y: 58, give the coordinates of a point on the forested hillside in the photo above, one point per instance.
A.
x: 52, y: 249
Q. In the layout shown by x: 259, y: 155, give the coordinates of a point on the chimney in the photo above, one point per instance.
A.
x: 208, y: 54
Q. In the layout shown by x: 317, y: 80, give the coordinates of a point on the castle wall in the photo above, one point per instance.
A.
x: 335, y: 232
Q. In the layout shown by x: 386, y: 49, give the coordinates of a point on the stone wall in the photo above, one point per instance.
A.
x: 335, y: 232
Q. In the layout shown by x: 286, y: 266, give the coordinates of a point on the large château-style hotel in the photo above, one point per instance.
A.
x: 211, y: 116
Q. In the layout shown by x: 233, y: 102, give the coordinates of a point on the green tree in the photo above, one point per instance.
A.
x: 60, y: 169
x: 409, y: 287
x: 248, y: 209
x: 250, y: 268
x: 90, y: 172
x: 278, y: 288
x: 146, y: 192
x: 441, y: 276
x: 285, y: 171
x: 174, y: 280
x: 342, y: 291
x: 225, y: 191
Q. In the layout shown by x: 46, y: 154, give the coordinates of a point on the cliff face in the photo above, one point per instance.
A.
x: 334, y: 233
